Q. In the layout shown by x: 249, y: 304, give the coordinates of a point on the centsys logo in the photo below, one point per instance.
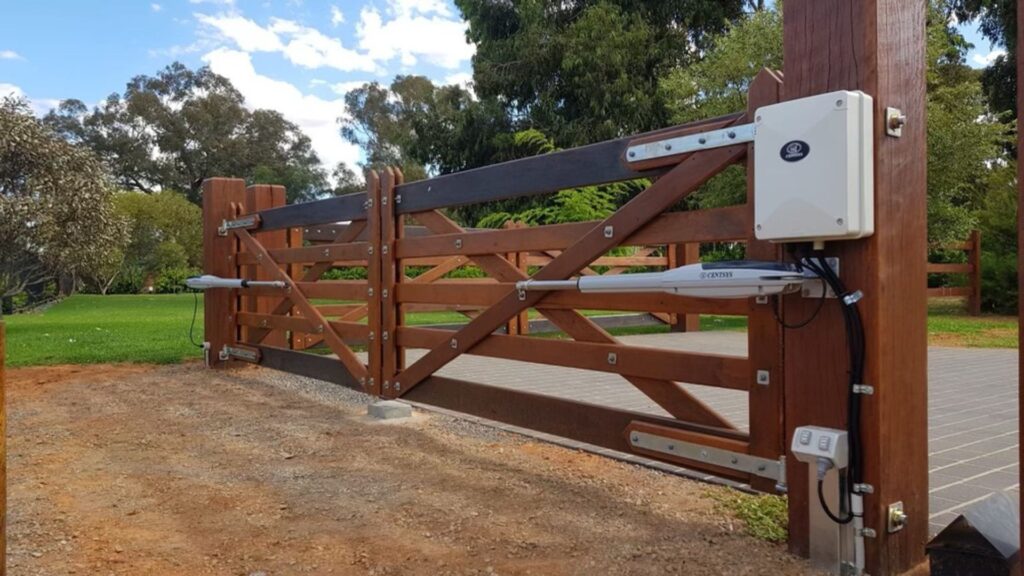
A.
x: 795, y: 150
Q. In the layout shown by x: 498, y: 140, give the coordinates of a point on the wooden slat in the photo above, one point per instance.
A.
x: 482, y: 295
x: 595, y: 164
x: 351, y: 330
x: 949, y: 291
x: 355, y: 253
x: 716, y: 225
x: 335, y: 289
x: 271, y: 322
x: 949, y: 268
x: 706, y: 369
x: 331, y: 210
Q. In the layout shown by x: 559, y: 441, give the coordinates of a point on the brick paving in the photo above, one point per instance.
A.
x: 973, y: 441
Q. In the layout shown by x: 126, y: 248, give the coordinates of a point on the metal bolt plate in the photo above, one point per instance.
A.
x: 896, y: 518
x: 764, y: 377
x: 895, y: 120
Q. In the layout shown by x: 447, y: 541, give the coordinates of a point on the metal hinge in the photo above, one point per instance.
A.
x: 691, y: 143
x: 865, y: 389
x: 250, y: 221
x: 239, y: 353
x: 755, y: 465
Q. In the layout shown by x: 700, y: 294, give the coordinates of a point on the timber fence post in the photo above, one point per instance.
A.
x: 221, y: 196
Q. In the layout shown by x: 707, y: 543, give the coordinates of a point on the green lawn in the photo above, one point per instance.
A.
x: 87, y: 329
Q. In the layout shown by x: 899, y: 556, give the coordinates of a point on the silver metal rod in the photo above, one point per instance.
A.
x: 547, y: 285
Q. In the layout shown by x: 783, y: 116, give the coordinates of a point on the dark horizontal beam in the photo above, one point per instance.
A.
x: 594, y: 424
x: 331, y: 210
x: 599, y: 163
x: 310, y: 365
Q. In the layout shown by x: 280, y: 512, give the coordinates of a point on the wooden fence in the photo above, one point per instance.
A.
x: 972, y: 269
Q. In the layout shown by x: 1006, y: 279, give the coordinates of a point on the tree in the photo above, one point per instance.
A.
x: 55, y: 211
x: 164, y: 233
x: 347, y: 181
x: 998, y: 22
x: 587, y: 70
x: 172, y: 130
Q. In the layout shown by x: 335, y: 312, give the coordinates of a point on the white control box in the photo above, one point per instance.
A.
x: 813, y: 442
x: 814, y: 169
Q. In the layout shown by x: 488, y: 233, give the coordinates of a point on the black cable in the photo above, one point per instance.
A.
x: 828, y: 511
x: 802, y: 323
x: 191, y: 327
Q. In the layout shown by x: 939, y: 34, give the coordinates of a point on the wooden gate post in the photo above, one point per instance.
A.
x: 219, y: 259
x: 974, y: 300
x: 877, y: 46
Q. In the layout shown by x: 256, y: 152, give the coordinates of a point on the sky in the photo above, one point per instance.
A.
x: 295, y: 56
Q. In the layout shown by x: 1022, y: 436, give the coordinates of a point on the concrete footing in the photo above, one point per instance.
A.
x: 389, y: 410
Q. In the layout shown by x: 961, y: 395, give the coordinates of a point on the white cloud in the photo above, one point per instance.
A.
x: 248, y: 35
x: 10, y: 55
x: 988, y: 59
x: 316, y: 116
x: 438, y: 40
x: 337, y: 16
x: 156, y: 7
x: 342, y: 88
x: 463, y: 79
x: 40, y: 106
x: 301, y: 45
x: 410, y: 7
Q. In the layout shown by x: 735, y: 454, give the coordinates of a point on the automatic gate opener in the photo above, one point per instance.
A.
x: 208, y: 281
x: 738, y: 279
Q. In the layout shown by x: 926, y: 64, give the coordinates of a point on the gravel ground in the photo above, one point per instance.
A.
x: 179, y: 470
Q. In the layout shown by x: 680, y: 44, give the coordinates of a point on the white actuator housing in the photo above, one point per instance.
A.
x: 811, y: 443
x: 814, y: 169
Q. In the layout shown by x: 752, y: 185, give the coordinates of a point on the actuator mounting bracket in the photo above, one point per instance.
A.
x: 691, y: 143
x: 247, y: 222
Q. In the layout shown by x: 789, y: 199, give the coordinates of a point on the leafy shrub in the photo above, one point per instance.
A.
x: 172, y: 280
x: 347, y: 273
x: 999, y: 282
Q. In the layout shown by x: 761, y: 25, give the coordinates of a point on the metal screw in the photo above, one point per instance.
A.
x: 371, y: 336
x: 458, y: 243
x: 613, y: 358
x: 384, y: 201
x: 454, y: 343
x: 369, y: 250
x: 319, y: 328
x: 634, y: 438
x: 668, y: 146
x: 384, y: 249
x: 398, y: 198
x: 758, y: 226
x: 735, y: 460
x: 764, y: 377
x: 398, y: 387
x: 758, y: 118
x: 839, y: 221
x: 839, y: 103
x: 632, y: 154
x: 702, y: 140
x: 384, y: 335
x: 387, y: 385
x: 704, y: 454
x: 522, y: 295
x: 327, y: 252
x: 732, y: 134
x: 609, y: 231
x: 384, y: 294
x: 369, y: 292
x: 671, y: 446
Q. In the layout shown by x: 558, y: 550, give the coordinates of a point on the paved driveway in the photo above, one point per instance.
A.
x: 972, y: 407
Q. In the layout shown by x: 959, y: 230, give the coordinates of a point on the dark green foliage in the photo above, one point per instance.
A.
x: 587, y: 70
x: 172, y: 130
x: 998, y: 22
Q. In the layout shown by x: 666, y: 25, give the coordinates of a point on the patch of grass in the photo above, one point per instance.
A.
x: 90, y: 329
x: 949, y: 325
x: 764, y: 516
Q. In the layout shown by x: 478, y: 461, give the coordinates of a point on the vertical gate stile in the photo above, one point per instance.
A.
x: 374, y: 264
x: 220, y: 259
x: 397, y: 222
x: 387, y: 296
x: 764, y: 335
x: 261, y: 197
x: 296, y: 340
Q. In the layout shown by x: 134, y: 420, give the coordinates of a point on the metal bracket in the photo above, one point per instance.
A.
x: 692, y: 143
x: 764, y: 377
x: 812, y: 289
x: 239, y: 353
x: 763, y: 467
x: 865, y: 389
x: 250, y: 221
x: 896, y: 519
x: 895, y: 120
x: 863, y: 488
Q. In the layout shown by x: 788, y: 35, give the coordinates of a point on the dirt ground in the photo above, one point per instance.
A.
x: 178, y: 470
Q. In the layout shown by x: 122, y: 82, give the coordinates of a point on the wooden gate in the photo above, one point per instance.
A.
x: 251, y: 234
